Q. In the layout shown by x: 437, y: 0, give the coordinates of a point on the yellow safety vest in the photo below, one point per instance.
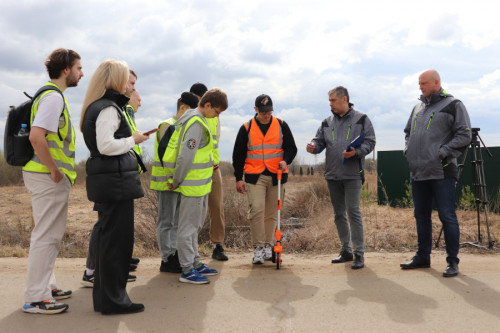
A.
x: 198, y: 181
x: 133, y: 128
x: 159, y: 172
x: 63, y: 152
x: 212, y: 123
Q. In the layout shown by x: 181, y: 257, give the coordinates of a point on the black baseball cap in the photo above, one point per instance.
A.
x: 198, y: 89
x: 264, y: 103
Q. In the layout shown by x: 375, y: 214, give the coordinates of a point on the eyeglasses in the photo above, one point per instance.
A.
x: 265, y: 112
x: 217, y: 112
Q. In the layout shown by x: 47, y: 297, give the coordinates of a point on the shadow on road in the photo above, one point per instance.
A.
x: 278, y: 292
x: 476, y: 293
x: 402, y: 305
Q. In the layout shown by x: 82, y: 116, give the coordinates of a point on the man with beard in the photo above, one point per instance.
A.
x: 48, y: 176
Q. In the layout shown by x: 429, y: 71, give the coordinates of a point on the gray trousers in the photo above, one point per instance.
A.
x: 49, y: 202
x: 168, y: 221
x: 345, y: 196
x: 192, y: 213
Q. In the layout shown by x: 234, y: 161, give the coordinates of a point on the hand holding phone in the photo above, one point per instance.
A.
x: 150, y: 132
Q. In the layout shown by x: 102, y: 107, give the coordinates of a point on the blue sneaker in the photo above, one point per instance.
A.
x: 203, y: 269
x: 194, y: 277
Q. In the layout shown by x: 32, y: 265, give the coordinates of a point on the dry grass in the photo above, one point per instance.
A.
x: 306, y: 202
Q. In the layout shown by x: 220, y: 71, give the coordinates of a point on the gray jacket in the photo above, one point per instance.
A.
x: 441, y: 125
x: 335, y: 134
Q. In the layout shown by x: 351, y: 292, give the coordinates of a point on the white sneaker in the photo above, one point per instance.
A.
x: 258, y: 255
x: 268, y: 252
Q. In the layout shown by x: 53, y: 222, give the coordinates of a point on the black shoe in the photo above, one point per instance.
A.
x: 416, y: 262
x: 132, y: 267
x: 87, y: 280
x: 359, y: 261
x: 343, y: 257
x: 135, y: 261
x: 452, y: 269
x: 175, y: 257
x: 133, y: 308
x: 219, y: 253
x: 170, y: 266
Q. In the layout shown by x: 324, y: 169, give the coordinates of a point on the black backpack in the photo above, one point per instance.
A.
x: 162, y: 145
x: 18, y: 149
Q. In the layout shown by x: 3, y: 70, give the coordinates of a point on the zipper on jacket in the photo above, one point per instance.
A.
x: 348, y: 131
x: 430, y: 119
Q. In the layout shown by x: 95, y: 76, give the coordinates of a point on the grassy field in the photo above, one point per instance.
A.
x: 307, y: 221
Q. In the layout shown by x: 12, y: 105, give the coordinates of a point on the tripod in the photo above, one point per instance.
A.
x: 479, y: 186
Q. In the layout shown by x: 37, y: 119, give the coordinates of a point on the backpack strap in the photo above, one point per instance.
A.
x: 41, y: 91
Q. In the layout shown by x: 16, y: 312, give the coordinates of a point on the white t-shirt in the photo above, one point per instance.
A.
x: 49, y: 111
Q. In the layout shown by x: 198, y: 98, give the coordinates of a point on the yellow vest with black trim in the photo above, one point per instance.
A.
x: 212, y: 123
x: 159, y: 172
x: 133, y: 128
x: 63, y: 152
x: 198, y: 180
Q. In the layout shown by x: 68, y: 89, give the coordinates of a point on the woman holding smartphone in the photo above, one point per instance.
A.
x: 112, y: 183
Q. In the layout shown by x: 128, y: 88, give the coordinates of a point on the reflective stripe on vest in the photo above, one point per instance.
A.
x: 212, y: 123
x: 133, y: 129
x: 264, y: 151
x: 63, y: 152
x: 159, y: 172
x: 198, y: 181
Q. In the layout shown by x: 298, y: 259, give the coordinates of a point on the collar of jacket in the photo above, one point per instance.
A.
x: 436, y: 97
x: 347, y: 113
x: 120, y: 99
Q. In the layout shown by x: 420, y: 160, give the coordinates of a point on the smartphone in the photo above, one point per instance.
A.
x: 150, y: 132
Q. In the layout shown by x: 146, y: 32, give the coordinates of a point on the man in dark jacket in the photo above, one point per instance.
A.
x: 348, y: 136
x: 437, y: 132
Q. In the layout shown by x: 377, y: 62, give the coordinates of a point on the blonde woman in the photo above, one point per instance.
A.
x: 112, y: 183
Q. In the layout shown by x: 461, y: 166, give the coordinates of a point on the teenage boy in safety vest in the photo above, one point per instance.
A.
x: 190, y: 168
x: 48, y: 176
x: 215, y: 200
x: 168, y: 215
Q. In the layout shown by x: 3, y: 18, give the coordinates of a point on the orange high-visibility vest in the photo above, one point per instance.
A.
x: 264, y: 151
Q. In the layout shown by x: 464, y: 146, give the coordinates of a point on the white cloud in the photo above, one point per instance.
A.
x: 292, y: 50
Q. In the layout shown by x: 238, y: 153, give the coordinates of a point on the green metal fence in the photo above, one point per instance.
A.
x: 394, y: 176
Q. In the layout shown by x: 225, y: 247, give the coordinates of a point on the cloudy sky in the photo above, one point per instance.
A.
x: 295, y: 51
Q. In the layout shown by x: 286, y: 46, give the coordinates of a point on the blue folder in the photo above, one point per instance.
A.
x: 355, y: 143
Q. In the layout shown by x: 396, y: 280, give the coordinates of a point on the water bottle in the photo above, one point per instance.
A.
x: 23, y: 131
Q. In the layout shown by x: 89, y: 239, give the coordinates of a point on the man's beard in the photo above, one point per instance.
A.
x: 70, y: 82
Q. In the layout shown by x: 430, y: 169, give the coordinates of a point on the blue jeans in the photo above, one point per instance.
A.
x: 442, y: 191
x: 345, y: 196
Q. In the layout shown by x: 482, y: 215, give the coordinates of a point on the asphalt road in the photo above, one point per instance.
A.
x: 308, y: 294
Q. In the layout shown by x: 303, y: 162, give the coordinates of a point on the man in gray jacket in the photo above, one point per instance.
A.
x: 437, y: 132
x: 348, y: 136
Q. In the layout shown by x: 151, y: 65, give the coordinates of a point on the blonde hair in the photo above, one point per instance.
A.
x: 110, y: 74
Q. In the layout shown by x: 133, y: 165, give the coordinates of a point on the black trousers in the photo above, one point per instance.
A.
x: 115, y: 242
